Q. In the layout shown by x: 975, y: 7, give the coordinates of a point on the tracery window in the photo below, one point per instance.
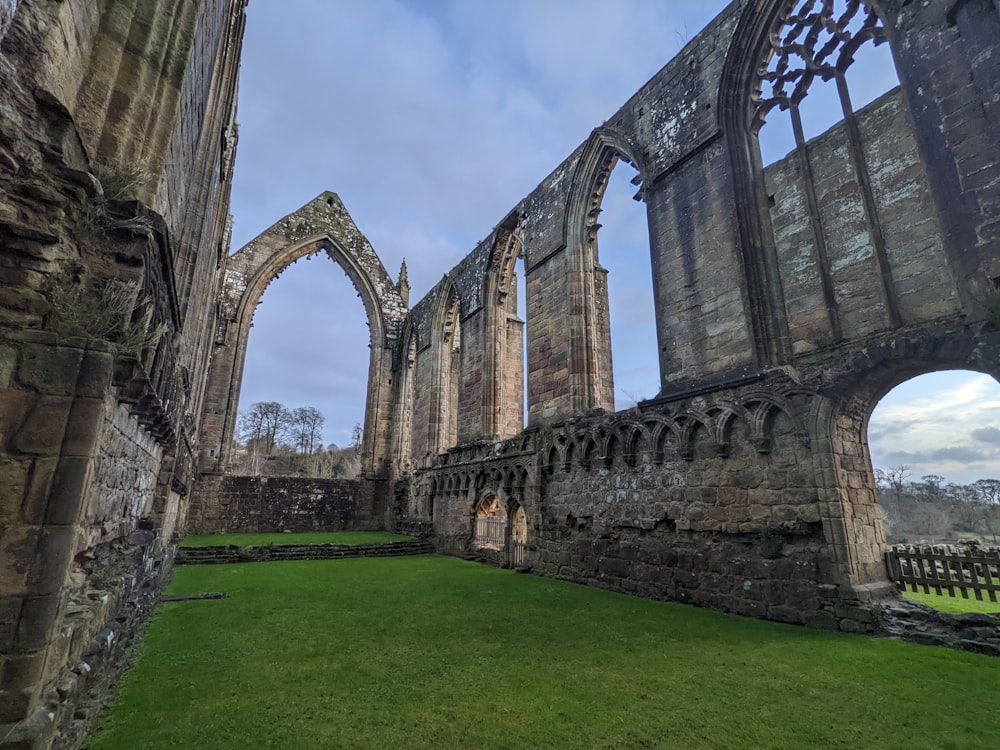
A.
x: 813, y: 42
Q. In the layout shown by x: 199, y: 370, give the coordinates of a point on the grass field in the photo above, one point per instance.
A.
x: 955, y: 604
x: 435, y: 652
x: 309, y: 537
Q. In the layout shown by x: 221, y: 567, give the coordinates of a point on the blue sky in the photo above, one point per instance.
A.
x: 431, y: 119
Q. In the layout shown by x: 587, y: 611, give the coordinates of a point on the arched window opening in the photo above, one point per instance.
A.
x: 934, y: 443
x: 834, y: 207
x: 623, y: 276
x: 302, y: 400
x: 451, y: 357
x: 491, y: 524
x: 504, y: 368
x: 833, y: 51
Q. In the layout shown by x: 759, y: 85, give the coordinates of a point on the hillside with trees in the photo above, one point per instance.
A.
x: 929, y: 510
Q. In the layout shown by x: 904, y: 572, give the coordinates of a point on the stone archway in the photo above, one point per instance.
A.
x: 322, y: 225
x: 591, y: 378
x: 838, y: 427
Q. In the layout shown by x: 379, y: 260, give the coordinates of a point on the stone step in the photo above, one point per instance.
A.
x: 235, y: 554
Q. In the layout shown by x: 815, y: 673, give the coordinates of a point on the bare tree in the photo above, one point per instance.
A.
x: 306, y: 427
x: 263, y: 425
x: 988, y: 491
x: 894, y: 479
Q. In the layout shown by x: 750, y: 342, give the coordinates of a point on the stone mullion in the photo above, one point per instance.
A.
x: 854, y: 146
x: 815, y: 220
x: 604, y: 379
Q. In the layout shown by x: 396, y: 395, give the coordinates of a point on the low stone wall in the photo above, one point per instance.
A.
x: 269, y: 553
x: 243, y: 505
x: 918, y: 623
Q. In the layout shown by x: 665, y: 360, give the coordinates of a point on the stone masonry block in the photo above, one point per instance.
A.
x: 14, y: 706
x: 38, y: 616
x: 95, y: 374
x: 13, y: 479
x: 8, y: 365
x: 36, y: 496
x: 83, y: 427
x: 50, y: 370
x: 17, y: 550
x: 14, y: 406
x: 10, y: 614
x: 51, y: 565
x: 71, y: 478
x: 43, y: 429
x: 21, y: 670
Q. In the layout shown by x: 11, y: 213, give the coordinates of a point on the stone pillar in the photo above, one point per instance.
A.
x: 51, y: 410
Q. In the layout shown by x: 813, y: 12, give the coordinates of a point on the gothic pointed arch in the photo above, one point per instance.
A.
x: 591, y: 378
x: 503, y: 357
x: 322, y: 225
x: 445, y: 362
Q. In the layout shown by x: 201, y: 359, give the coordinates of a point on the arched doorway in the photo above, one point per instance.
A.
x: 491, y: 524
x: 518, y: 537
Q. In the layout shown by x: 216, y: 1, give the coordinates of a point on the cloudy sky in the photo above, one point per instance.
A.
x: 431, y: 119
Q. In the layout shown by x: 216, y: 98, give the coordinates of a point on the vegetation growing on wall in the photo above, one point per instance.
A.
x: 103, y: 309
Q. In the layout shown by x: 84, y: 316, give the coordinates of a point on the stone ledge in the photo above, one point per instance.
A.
x: 270, y: 553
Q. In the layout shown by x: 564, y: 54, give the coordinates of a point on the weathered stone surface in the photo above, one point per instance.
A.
x: 788, y: 300
x: 244, y: 505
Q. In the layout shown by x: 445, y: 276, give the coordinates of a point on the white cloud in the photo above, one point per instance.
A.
x: 431, y: 120
x: 935, y: 424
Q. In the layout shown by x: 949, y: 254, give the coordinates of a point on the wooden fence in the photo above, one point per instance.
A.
x: 946, y: 568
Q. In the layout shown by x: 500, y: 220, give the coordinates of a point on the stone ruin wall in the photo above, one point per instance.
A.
x: 744, y: 485
x: 655, y: 503
x: 96, y: 453
x: 251, y: 505
x: 777, y: 518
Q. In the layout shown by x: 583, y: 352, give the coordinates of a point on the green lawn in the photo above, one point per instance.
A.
x: 435, y: 652
x: 309, y: 537
x: 955, y: 605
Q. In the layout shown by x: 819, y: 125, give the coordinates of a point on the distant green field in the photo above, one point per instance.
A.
x: 438, y: 653
x: 955, y: 605
x: 309, y: 537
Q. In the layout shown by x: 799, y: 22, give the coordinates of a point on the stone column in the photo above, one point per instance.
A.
x: 50, y: 418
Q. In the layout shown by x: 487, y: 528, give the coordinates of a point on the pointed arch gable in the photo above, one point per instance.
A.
x: 597, y: 158
x: 322, y: 225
